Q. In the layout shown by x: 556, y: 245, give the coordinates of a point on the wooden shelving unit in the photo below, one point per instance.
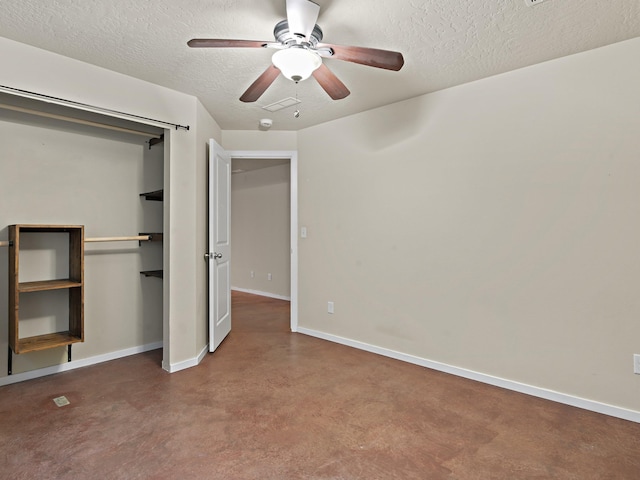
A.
x: 41, y: 286
x: 74, y: 284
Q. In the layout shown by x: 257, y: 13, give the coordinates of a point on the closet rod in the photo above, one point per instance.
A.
x: 139, y: 238
x: 63, y: 101
x: 75, y: 120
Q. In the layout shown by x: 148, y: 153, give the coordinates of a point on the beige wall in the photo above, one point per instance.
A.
x: 492, y: 226
x: 258, y: 140
x: 260, y: 230
x: 36, y: 70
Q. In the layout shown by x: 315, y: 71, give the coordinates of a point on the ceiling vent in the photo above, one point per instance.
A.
x: 287, y: 102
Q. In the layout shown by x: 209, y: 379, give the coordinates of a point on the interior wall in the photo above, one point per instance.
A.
x: 56, y: 174
x: 37, y: 70
x: 491, y: 226
x: 260, y: 230
x: 258, y: 140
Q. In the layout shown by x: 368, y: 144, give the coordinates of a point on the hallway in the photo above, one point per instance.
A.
x: 269, y: 404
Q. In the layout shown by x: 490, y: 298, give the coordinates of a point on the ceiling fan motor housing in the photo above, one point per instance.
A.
x: 283, y: 35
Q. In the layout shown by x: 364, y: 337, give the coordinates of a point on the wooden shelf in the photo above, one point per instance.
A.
x: 25, y: 228
x: 41, y: 286
x: 43, y: 342
x: 152, y: 273
x: 157, y: 195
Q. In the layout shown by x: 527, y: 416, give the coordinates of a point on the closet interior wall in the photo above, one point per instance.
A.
x: 58, y: 172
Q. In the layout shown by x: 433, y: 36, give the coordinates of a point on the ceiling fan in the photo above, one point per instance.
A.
x: 300, y: 53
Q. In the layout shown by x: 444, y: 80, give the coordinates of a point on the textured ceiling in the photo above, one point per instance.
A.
x: 444, y: 42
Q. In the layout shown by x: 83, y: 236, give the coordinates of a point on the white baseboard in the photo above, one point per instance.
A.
x: 202, y: 353
x: 552, y: 395
x: 192, y: 362
x: 262, y: 294
x: 72, y: 365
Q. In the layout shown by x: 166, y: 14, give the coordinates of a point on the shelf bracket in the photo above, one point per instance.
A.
x: 155, y: 141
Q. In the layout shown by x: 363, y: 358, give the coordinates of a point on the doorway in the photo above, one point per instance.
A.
x: 264, y: 225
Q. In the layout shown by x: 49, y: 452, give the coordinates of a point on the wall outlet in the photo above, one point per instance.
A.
x: 252, y: 274
x: 269, y: 276
x: 329, y: 307
x: 636, y: 364
x: 303, y: 232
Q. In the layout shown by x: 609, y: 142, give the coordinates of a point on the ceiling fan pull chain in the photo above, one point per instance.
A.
x: 296, y: 114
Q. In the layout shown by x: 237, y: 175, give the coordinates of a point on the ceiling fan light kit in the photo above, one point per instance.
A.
x: 300, y: 53
x: 296, y: 63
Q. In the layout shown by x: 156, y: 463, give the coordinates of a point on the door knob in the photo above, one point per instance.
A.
x: 217, y: 255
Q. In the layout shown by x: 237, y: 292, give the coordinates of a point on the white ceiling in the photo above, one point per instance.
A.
x: 444, y: 43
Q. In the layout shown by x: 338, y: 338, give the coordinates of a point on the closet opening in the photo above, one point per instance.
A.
x: 64, y: 166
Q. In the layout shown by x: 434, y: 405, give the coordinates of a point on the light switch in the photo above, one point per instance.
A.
x: 303, y: 232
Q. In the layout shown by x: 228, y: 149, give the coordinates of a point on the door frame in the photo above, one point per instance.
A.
x: 292, y: 156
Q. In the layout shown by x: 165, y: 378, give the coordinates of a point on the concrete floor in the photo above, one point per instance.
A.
x: 274, y: 405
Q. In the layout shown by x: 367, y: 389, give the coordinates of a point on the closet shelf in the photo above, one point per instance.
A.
x: 157, y: 195
x: 49, y: 340
x: 40, y: 286
x: 152, y: 273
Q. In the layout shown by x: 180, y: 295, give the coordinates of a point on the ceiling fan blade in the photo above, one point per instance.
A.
x: 257, y: 88
x: 330, y: 83
x: 302, y: 16
x: 223, y: 43
x: 371, y: 57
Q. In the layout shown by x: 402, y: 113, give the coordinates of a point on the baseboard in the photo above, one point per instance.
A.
x: 72, y: 365
x: 262, y: 294
x: 191, y: 362
x: 552, y: 395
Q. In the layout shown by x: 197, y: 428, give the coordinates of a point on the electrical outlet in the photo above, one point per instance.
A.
x: 329, y: 307
x: 636, y: 364
x: 252, y: 273
x: 269, y: 276
x: 533, y: 2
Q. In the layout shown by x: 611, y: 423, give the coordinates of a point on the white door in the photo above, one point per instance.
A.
x: 219, y: 245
